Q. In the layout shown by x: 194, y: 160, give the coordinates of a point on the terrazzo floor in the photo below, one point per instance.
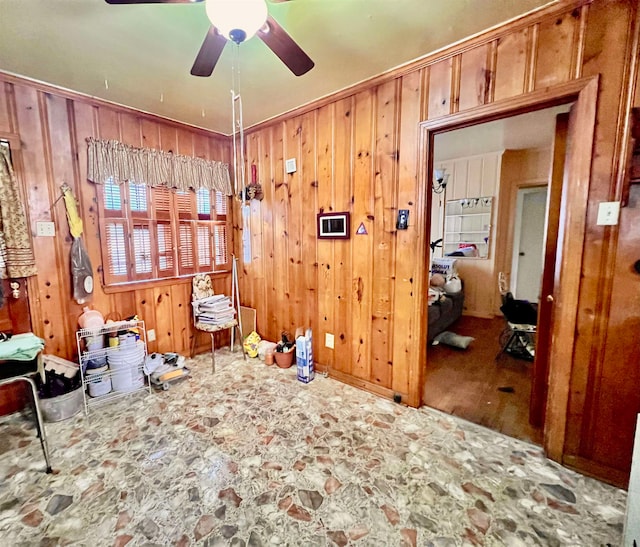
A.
x: 249, y: 456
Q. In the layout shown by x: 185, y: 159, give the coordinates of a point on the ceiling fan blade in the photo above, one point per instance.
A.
x: 209, y: 53
x: 123, y: 2
x: 285, y: 47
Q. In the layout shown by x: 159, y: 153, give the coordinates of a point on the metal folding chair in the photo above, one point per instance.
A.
x: 519, y: 335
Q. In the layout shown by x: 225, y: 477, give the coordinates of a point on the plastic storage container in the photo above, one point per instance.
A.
x: 62, y: 407
x: 90, y: 319
x: 98, y: 381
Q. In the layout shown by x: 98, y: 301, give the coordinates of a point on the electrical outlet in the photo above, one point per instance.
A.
x: 608, y: 212
x: 328, y: 340
x: 151, y: 335
x: 46, y: 229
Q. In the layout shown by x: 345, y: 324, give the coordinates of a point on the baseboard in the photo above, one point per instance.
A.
x: 604, y: 473
x: 366, y: 386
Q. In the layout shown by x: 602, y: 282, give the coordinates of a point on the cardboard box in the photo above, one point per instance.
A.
x: 304, y: 357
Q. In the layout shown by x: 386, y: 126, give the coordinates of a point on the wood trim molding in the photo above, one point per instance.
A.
x: 157, y: 283
x: 601, y: 472
x: 363, y: 384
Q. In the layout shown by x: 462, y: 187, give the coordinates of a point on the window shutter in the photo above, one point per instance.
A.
x: 116, y: 249
x: 222, y: 205
x: 138, y: 200
x: 154, y: 233
x: 111, y: 198
x: 164, y: 238
x: 142, y: 263
x: 220, y: 241
x: 204, y: 246
x: 203, y: 203
x: 161, y: 203
x: 186, y: 248
x: 184, y: 204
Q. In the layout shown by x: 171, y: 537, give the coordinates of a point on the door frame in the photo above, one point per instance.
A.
x: 573, y: 211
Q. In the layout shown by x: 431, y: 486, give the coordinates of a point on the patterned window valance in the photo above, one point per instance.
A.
x: 113, y: 160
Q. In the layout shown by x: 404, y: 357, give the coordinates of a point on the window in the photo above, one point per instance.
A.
x: 154, y: 233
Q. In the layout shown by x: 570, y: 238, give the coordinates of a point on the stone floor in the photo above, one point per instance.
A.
x: 250, y: 457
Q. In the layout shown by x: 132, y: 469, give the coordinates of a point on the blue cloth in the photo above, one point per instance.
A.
x: 21, y: 347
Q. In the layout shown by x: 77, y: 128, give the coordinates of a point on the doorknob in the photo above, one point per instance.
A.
x: 549, y: 298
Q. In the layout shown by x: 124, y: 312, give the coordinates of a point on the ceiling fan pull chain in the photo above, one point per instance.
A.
x: 238, y: 129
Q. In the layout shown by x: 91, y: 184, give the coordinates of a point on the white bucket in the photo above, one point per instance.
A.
x: 98, y: 381
x: 126, y: 363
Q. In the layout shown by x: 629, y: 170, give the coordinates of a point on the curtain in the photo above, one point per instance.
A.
x: 16, y: 254
x: 115, y: 161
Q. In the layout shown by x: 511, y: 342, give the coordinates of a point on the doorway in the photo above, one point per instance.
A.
x: 561, y: 272
x: 528, y: 237
x: 509, y: 162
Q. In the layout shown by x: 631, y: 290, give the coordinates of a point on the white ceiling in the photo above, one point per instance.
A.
x: 140, y: 55
x: 531, y: 130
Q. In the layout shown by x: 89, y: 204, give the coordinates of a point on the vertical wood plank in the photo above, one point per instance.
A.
x: 362, y: 246
x: 511, y: 64
x: 383, y: 232
x: 146, y: 310
x: 181, y: 315
x: 408, y: 259
x: 555, y: 49
x: 6, y: 121
x: 254, y: 271
x: 343, y: 192
x: 85, y: 125
x: 474, y: 77
x: 324, y: 248
x: 150, y: 134
x: 309, y: 183
x: 292, y: 147
x: 36, y: 170
x: 271, y: 311
x: 164, y: 319
x: 59, y: 131
x: 168, y: 139
x: 440, y: 88
x: 130, y: 129
x: 280, y: 227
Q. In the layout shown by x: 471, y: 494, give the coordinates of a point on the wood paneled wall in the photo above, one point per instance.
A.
x: 47, y: 131
x: 358, y: 151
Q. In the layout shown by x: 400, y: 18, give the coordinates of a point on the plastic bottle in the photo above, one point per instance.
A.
x: 90, y: 319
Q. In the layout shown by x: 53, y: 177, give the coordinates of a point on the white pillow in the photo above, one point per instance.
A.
x: 452, y: 339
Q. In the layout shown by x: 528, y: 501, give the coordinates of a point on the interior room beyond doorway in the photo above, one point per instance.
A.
x: 506, y: 163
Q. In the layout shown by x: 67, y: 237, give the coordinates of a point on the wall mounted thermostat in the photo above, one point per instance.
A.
x: 290, y: 165
x: 403, y: 219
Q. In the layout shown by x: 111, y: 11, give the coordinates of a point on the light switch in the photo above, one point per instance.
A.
x: 608, y: 213
x: 290, y: 165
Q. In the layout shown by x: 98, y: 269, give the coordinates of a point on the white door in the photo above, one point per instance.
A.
x: 529, y: 243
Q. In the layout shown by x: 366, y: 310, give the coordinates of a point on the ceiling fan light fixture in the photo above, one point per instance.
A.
x: 237, y: 20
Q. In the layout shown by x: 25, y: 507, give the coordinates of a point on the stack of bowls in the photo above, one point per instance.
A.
x: 96, y: 357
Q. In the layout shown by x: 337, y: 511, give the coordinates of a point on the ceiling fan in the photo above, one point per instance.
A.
x: 239, y: 20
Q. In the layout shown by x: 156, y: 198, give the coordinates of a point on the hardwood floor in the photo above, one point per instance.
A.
x: 471, y: 384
